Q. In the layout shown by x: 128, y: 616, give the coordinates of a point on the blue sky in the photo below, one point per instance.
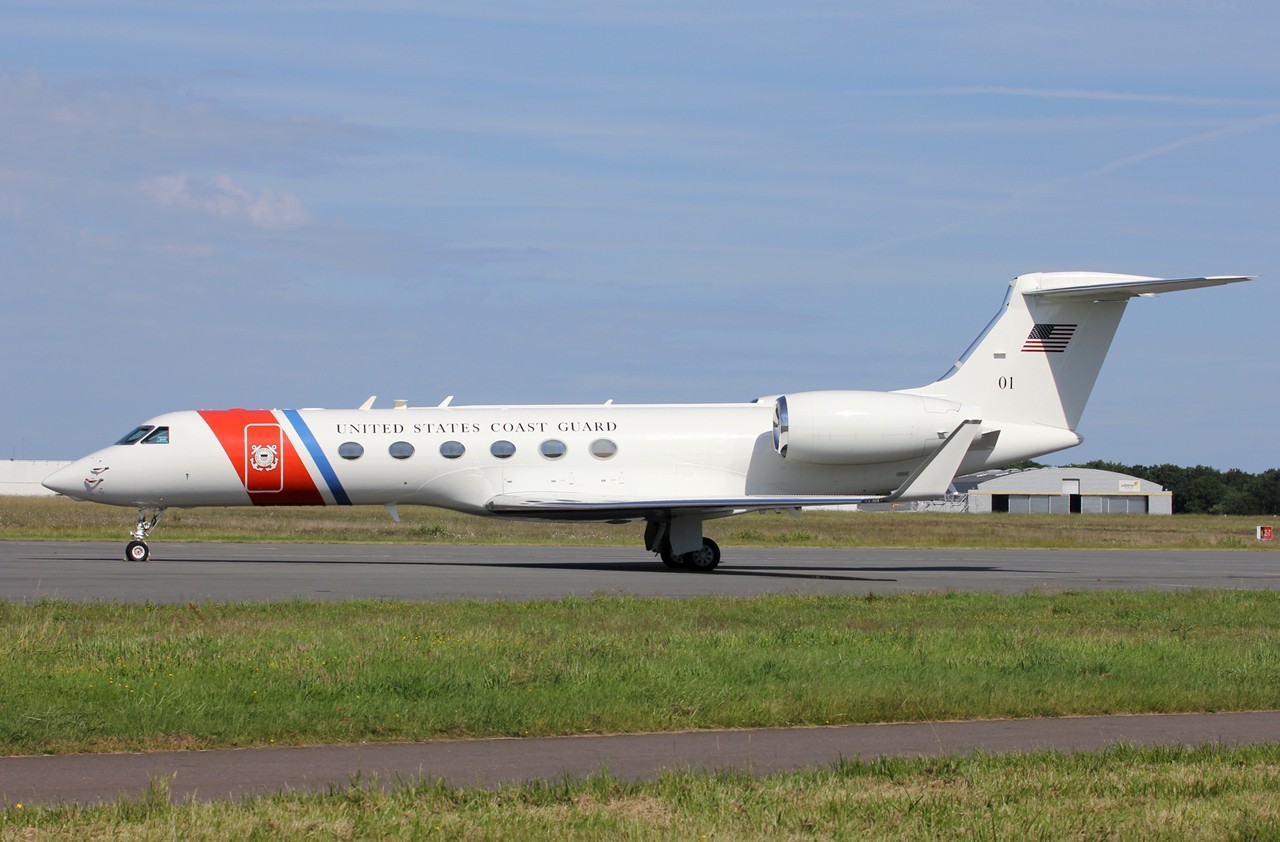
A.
x: 209, y: 205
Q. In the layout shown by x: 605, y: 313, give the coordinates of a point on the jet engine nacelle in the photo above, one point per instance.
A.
x: 859, y: 428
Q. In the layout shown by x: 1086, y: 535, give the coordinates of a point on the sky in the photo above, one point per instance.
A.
x: 208, y: 205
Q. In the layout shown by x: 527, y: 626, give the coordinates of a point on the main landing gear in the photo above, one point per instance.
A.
x: 699, y: 554
x: 701, y: 561
x: 137, y: 549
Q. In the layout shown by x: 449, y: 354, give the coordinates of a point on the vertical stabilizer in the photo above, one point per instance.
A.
x: 1037, y: 361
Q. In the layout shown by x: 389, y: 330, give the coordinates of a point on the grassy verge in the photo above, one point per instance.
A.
x: 1211, y: 793
x: 48, y: 518
x: 111, y: 677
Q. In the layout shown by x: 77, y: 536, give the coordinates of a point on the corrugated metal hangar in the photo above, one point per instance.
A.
x: 1064, y: 491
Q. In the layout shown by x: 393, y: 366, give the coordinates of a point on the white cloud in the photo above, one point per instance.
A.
x: 105, y: 131
x: 1237, y: 128
x: 1068, y: 93
x: 225, y: 198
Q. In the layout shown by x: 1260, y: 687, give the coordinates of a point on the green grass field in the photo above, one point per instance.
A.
x: 114, y: 677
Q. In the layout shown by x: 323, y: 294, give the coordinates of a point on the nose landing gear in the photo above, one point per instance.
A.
x: 137, y: 549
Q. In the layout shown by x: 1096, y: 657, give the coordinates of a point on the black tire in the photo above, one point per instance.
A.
x: 705, y: 559
x: 137, y: 551
x: 670, y: 559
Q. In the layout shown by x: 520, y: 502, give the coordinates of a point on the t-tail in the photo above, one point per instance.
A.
x: 1034, y: 366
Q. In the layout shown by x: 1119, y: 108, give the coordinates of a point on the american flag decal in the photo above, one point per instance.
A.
x: 1048, y: 339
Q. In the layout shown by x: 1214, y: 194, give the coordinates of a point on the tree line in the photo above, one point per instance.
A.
x: 1207, y: 491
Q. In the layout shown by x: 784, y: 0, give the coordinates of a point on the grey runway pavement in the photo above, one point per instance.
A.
x: 265, y: 572
x: 232, y: 773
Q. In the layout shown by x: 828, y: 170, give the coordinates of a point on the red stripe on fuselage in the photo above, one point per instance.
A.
x: 296, y: 488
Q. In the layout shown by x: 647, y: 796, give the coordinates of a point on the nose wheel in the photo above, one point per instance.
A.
x: 137, y: 549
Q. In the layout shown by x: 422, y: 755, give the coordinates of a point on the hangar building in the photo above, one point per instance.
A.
x: 1064, y: 491
x: 21, y: 477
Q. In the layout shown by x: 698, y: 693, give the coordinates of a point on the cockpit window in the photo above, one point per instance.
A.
x: 136, y: 434
x: 160, y: 435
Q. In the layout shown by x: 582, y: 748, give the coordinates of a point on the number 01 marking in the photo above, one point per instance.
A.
x: 1005, y: 382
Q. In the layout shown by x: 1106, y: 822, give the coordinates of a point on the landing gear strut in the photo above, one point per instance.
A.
x: 137, y: 549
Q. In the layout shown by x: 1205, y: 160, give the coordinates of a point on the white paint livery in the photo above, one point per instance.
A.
x: 1017, y: 393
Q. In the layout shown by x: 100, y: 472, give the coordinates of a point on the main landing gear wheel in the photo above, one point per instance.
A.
x: 137, y: 551
x: 705, y: 559
x: 699, y: 561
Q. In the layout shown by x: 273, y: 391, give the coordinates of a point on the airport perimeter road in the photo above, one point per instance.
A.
x: 266, y: 572
x: 205, y: 775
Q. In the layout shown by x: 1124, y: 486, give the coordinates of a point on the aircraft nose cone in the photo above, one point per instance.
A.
x: 70, y: 480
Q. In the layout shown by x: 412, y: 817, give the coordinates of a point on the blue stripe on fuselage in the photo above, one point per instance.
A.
x: 322, y: 462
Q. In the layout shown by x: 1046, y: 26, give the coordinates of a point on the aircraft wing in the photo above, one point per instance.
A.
x: 555, y: 507
x: 929, y: 481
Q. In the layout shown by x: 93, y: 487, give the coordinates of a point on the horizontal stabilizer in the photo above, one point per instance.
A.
x: 1111, y: 290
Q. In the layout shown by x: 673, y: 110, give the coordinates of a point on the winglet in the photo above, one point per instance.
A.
x: 931, y: 480
x: 369, y: 403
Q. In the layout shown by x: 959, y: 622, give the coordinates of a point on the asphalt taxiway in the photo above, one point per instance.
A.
x: 267, y: 572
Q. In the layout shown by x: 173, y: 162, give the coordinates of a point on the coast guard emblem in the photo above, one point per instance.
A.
x: 264, y: 457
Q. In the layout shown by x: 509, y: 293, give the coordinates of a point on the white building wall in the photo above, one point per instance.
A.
x: 21, y: 477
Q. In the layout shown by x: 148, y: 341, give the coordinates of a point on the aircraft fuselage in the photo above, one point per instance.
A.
x: 462, y: 457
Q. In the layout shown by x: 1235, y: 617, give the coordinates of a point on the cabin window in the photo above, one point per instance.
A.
x: 552, y: 448
x: 603, y: 448
x: 350, y: 450
x: 400, y: 450
x: 160, y: 435
x: 452, y: 449
x: 502, y: 449
x: 135, y: 435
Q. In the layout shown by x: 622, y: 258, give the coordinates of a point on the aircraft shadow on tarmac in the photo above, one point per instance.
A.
x: 830, y: 572
x: 837, y: 572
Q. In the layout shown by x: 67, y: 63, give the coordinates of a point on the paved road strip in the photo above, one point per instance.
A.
x: 209, y: 775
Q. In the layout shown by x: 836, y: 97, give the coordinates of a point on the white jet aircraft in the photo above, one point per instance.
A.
x: 1016, y: 393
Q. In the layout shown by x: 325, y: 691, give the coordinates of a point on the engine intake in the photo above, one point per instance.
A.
x: 860, y: 428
